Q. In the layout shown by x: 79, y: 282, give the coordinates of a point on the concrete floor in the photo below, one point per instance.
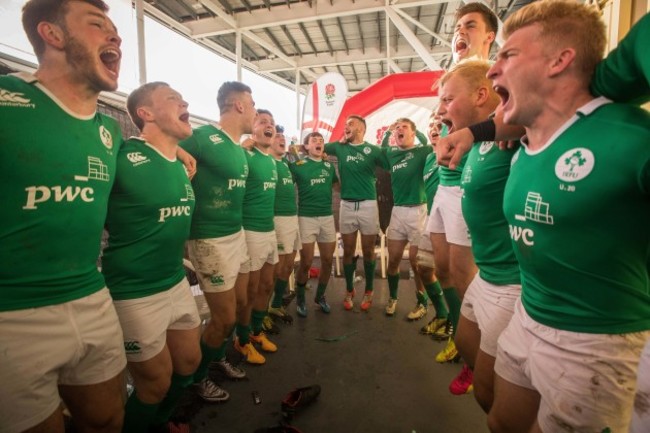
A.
x: 379, y: 376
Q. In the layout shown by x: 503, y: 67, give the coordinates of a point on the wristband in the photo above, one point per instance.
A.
x: 484, y: 131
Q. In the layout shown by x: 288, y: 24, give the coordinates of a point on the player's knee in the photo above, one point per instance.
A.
x: 483, y: 396
x: 496, y: 423
x: 107, y: 420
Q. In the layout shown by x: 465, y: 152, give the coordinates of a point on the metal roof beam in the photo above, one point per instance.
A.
x: 302, y: 28
x: 421, y: 26
x: 300, y: 12
x: 371, y: 55
x: 413, y: 40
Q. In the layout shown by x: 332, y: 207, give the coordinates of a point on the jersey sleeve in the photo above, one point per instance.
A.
x: 624, y: 75
x: 421, y: 138
x: 191, y: 146
x: 386, y: 139
x: 330, y: 148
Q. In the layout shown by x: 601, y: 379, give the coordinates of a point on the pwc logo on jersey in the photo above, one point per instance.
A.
x: 355, y: 158
x: 174, y: 211
x: 97, y: 171
x: 536, y: 210
x: 14, y: 99
x: 137, y: 158
x: 575, y: 164
x: 318, y: 181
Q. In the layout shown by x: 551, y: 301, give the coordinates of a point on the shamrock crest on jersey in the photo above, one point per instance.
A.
x: 106, y: 137
x: 575, y: 164
x: 485, y: 147
x: 367, y: 150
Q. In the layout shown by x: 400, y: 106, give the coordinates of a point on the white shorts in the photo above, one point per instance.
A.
x: 586, y: 381
x: 217, y: 261
x: 425, y: 252
x: 287, y: 234
x: 74, y: 343
x: 447, y: 216
x: 317, y: 229
x: 359, y: 215
x: 145, y: 321
x: 262, y: 248
x: 641, y: 416
x: 490, y: 306
x: 407, y: 223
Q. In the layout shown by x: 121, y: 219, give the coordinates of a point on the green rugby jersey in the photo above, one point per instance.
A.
x: 149, y: 216
x: 625, y: 74
x: 285, y: 192
x: 431, y: 177
x: 484, y: 180
x: 406, y: 168
x: 219, y: 183
x: 579, y: 212
x: 314, y: 180
x: 449, y: 177
x: 259, y: 200
x: 357, y: 163
x: 56, y: 172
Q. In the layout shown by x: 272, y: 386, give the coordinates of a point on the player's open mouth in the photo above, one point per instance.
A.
x: 400, y: 136
x: 449, y: 123
x: 185, y: 117
x: 503, y: 94
x: 268, y: 133
x: 110, y: 57
x: 460, y: 46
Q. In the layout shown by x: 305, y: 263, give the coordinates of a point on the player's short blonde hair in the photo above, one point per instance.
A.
x: 565, y: 23
x: 474, y: 75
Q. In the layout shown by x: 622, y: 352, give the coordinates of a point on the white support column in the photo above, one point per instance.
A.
x: 238, y: 54
x: 298, y: 111
x: 142, y: 57
x: 388, y: 59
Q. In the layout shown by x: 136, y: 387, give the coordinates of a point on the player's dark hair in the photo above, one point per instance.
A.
x: 226, y: 91
x: 53, y: 11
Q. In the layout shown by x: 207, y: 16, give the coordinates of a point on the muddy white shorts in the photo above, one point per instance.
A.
x: 74, y: 343
x: 359, y: 215
x: 317, y: 229
x: 447, y: 216
x: 586, y: 381
x: 145, y: 321
x: 218, y: 261
x: 491, y: 307
x: 287, y: 234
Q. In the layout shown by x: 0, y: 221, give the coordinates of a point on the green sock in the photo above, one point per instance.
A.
x: 348, y: 272
x: 278, y: 292
x: 257, y: 318
x: 300, y: 292
x: 369, y: 272
x: 178, y: 385
x: 243, y: 333
x: 422, y: 297
x: 208, y: 354
x: 320, y: 291
x: 393, y: 284
x: 138, y: 415
x: 453, y: 300
x: 435, y: 294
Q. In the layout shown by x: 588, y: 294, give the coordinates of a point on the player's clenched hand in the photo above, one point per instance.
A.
x: 450, y: 149
x: 188, y: 161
